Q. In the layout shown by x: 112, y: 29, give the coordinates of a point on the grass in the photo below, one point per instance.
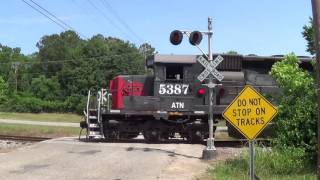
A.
x: 221, y: 122
x: 49, y: 117
x: 270, y: 164
x: 38, y: 131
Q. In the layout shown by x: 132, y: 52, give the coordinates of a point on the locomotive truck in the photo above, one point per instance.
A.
x: 172, y: 101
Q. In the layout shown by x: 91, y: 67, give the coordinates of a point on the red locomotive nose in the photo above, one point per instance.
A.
x: 201, y: 91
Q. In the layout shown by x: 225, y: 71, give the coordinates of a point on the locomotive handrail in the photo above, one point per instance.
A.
x: 88, y: 102
x: 87, y: 114
x: 99, y: 98
x: 109, y: 95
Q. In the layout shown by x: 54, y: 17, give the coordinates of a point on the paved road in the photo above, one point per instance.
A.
x: 67, y: 158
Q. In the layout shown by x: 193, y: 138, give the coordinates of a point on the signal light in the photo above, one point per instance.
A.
x: 195, y: 38
x: 201, y: 91
x: 176, y: 37
x: 221, y: 92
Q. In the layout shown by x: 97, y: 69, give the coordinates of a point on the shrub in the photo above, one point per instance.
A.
x: 281, y: 161
x: 76, y: 103
x: 296, y: 122
x: 45, y: 88
x: 3, y: 90
x: 27, y: 103
x: 269, y: 163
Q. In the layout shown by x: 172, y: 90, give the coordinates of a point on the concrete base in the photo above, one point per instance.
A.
x: 208, y: 154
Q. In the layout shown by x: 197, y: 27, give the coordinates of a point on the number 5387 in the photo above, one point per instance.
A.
x: 173, y: 89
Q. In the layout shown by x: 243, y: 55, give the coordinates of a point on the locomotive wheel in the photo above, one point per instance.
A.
x: 152, y: 135
x: 195, y: 136
x: 111, y: 131
x: 128, y: 135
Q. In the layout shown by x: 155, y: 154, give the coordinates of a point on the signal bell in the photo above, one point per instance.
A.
x: 195, y: 38
x: 176, y: 37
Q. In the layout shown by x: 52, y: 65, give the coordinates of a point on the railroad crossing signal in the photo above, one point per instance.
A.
x: 176, y: 37
x: 210, y: 67
x: 195, y: 38
x: 250, y: 112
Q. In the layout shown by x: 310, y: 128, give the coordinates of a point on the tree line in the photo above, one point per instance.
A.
x: 57, y: 77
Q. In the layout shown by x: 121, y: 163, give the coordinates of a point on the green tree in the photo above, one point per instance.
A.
x: 45, y: 88
x: 64, y: 69
x: 3, y: 90
x: 9, y: 57
x: 58, y: 47
x: 146, y: 50
x: 232, y: 52
x: 296, y: 121
x: 102, y: 59
x: 309, y: 35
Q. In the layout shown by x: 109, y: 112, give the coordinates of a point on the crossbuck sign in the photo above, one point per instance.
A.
x: 210, y: 67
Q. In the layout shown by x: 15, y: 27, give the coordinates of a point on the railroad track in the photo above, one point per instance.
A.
x: 23, y: 138
x: 217, y: 143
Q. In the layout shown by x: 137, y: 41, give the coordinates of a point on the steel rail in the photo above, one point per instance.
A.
x: 23, y: 138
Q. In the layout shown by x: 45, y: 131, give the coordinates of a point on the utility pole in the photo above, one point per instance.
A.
x: 316, y: 23
x: 15, y: 67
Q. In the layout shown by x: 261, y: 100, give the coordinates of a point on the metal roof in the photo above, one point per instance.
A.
x: 191, y: 59
x: 185, y: 59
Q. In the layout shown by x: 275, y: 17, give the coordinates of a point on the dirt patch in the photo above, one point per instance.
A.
x: 224, y: 153
x: 7, y: 146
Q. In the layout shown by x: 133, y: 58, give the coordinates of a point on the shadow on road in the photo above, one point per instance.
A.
x: 170, y: 153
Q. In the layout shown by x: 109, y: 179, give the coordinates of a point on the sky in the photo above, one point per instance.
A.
x: 262, y: 27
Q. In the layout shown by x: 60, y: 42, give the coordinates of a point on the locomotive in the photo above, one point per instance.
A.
x: 172, y: 101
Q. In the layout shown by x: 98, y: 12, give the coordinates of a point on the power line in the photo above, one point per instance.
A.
x: 63, y: 76
x: 86, y: 11
x: 61, y: 22
x: 108, y: 6
x: 73, y: 60
x: 67, y: 25
x: 45, y: 15
x: 106, y: 17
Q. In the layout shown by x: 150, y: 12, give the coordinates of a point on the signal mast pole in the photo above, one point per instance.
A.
x: 210, y: 150
x: 210, y: 65
x: 316, y: 23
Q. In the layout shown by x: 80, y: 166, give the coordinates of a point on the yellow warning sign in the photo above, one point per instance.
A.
x: 250, y: 112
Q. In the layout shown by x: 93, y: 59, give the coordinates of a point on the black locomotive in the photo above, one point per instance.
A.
x: 172, y: 101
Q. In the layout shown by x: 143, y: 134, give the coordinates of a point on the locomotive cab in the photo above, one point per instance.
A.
x: 179, y: 90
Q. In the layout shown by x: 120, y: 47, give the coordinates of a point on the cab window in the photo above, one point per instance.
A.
x: 174, y: 72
